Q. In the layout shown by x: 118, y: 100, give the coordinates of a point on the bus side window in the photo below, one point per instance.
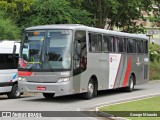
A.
x: 142, y: 46
x: 106, y: 43
x: 145, y: 47
x: 139, y: 46
x: 111, y: 45
x: 124, y: 44
x: 95, y: 42
x: 114, y: 41
x: 120, y: 44
x: 131, y: 46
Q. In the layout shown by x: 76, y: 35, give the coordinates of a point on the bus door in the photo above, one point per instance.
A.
x: 79, y: 58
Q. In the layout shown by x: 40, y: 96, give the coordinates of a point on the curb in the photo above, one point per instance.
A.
x: 111, y: 117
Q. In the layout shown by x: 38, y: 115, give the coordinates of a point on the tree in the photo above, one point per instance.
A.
x: 106, y: 14
x: 155, y: 16
x: 119, y: 13
x: 14, y: 8
x: 54, y: 12
x: 8, y: 30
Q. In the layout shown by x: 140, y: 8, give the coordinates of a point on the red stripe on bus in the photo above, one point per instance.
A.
x: 24, y: 73
x: 127, y: 72
x: 117, y: 72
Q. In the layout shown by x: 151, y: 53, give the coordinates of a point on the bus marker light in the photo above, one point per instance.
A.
x: 36, y: 33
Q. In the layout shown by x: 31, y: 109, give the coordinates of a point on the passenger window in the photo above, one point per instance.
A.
x: 120, y: 44
x: 95, y: 42
x: 111, y: 45
x: 115, y: 47
x: 106, y: 43
x: 146, y: 47
x: 139, y: 44
x: 131, y: 46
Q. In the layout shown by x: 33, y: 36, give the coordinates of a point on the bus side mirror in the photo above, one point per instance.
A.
x: 14, y: 49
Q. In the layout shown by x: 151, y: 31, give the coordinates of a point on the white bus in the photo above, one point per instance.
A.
x: 8, y: 69
x: 70, y: 59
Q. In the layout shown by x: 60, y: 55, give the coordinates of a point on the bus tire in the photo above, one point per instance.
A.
x: 48, y: 95
x: 15, y: 93
x: 91, y: 90
x: 130, y: 87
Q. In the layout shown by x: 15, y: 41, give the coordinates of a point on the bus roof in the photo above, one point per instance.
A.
x: 91, y: 29
x: 6, y: 47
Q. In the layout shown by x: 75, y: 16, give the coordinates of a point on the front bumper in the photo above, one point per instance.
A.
x: 63, y: 88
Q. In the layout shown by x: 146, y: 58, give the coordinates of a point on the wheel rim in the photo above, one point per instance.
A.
x: 131, y: 83
x: 17, y: 92
x: 90, y: 89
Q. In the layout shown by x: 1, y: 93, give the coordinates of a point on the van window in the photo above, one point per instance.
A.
x: 8, y: 61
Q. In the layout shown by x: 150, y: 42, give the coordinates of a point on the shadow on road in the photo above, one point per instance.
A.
x: 77, y: 97
x: 114, y: 92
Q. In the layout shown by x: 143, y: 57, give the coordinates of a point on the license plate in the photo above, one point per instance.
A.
x: 41, y: 88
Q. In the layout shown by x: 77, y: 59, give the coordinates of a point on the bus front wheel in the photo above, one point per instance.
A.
x: 91, y: 90
x: 48, y: 95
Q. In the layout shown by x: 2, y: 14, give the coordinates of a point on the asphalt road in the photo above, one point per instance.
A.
x: 74, y: 103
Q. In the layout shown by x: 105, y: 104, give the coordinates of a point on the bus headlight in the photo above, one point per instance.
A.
x: 65, y: 79
x: 22, y: 79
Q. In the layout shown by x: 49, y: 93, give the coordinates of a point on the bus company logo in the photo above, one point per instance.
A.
x: 113, y: 59
x: 6, y: 114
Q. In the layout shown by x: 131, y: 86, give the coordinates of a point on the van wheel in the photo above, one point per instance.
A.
x: 48, y: 95
x: 130, y: 88
x: 91, y: 90
x: 15, y: 93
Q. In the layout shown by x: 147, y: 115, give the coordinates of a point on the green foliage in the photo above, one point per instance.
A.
x: 155, y: 17
x: 119, y: 13
x: 15, y: 8
x: 154, y: 52
x: 97, y: 13
x: 154, y: 61
x: 8, y: 30
x: 154, y: 70
x: 54, y: 12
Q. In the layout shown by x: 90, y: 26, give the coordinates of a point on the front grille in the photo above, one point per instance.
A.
x: 40, y: 82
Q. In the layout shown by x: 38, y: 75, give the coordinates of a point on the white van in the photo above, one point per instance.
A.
x: 8, y: 69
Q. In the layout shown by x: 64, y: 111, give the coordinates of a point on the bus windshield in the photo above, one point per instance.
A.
x: 46, y: 49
